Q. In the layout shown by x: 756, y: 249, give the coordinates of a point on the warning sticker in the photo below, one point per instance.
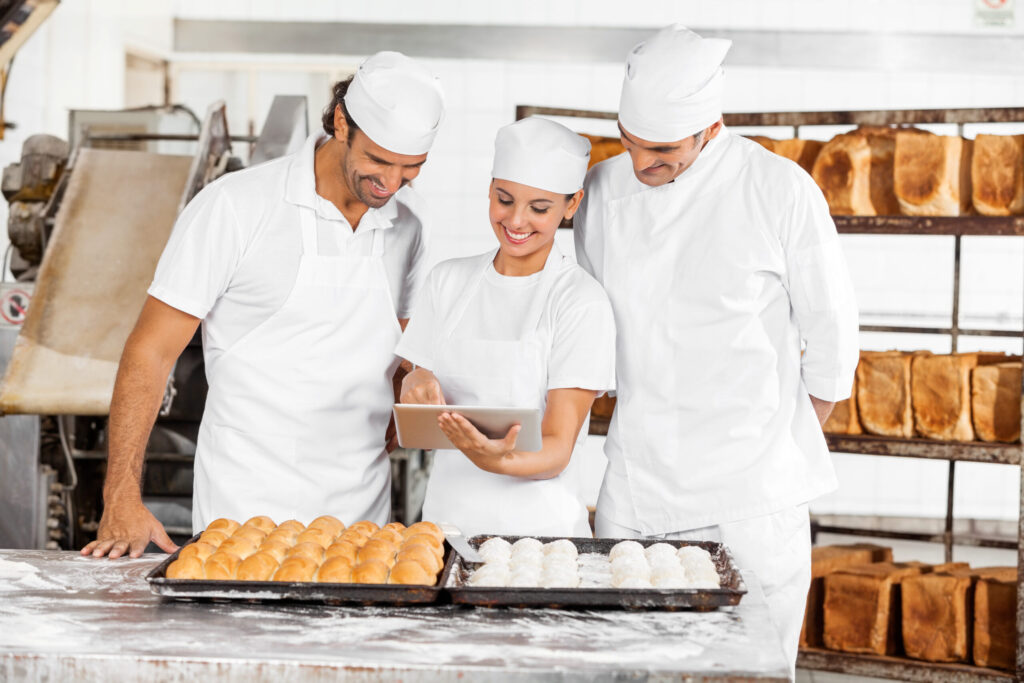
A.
x: 998, y: 13
x: 14, y: 306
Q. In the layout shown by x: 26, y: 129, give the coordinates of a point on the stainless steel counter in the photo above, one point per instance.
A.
x: 65, y: 617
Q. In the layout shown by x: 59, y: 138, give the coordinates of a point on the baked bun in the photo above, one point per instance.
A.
x: 427, y: 540
x: 199, y: 550
x: 335, y: 570
x: 372, y: 571
x: 390, y: 535
x: 354, y: 536
x: 257, y: 567
x: 242, y: 547
x: 222, y: 565
x: 421, y: 554
x: 214, y: 537
x: 261, y: 522
x: 377, y: 549
x: 294, y: 524
x: 424, y: 528
x: 327, y: 523
x: 366, y: 526
x: 320, y: 536
x: 186, y: 568
x: 308, y: 549
x: 286, y: 536
x: 251, y: 533
x: 411, y: 573
x: 275, y: 548
x: 344, y: 549
x: 296, y: 568
x: 228, y: 526
x: 397, y: 526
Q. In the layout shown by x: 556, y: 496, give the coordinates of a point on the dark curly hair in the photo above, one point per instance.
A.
x: 338, y: 100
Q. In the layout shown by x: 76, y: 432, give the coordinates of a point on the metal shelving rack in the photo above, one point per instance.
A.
x: 951, y: 451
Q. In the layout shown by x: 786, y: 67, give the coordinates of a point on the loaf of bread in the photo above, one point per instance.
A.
x: 824, y: 561
x: 932, y: 174
x: 940, y: 389
x: 602, y: 148
x: 844, y: 419
x: 843, y: 172
x: 883, y: 393
x: 997, y: 175
x: 995, y: 622
x: 937, y: 615
x: 803, y: 152
x: 995, y: 401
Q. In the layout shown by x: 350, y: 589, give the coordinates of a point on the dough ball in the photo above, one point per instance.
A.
x: 293, y: 524
x: 344, y: 549
x: 261, y: 522
x: 228, y: 526
x: 379, y: 550
x: 331, y: 525
x: 664, y: 562
x: 625, y: 548
x: 242, y: 547
x: 367, y: 527
x: 531, y: 545
x: 667, y: 576
x: 390, y: 535
x: 275, y: 548
x: 214, y: 537
x: 408, y: 572
x: 421, y: 554
x: 631, y: 565
x: 703, y: 577
x: 559, y: 579
x: 251, y: 533
x: 631, y: 582
x: 524, y: 579
x: 199, y: 550
x: 308, y: 549
x: 490, y: 575
x: 319, y: 536
x: 659, y: 550
x: 425, y: 528
x: 562, y: 546
x: 257, y: 567
x: 296, y: 568
x: 221, y: 566
x: 495, y: 549
x: 335, y: 570
x: 524, y: 562
x: 186, y: 568
x: 693, y: 553
x: 372, y: 571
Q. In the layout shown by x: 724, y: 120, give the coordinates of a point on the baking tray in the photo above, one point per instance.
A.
x: 309, y: 592
x: 697, y: 599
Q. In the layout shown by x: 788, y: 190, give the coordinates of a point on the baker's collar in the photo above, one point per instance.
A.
x: 300, y: 185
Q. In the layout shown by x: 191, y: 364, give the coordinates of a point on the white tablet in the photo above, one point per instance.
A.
x: 417, y: 424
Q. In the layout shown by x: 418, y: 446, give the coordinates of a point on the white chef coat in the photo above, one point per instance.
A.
x: 504, y: 339
x: 717, y: 280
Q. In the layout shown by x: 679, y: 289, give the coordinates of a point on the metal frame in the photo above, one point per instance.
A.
x: 1007, y: 454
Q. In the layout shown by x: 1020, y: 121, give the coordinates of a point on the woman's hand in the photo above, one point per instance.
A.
x: 487, y: 454
x: 420, y: 386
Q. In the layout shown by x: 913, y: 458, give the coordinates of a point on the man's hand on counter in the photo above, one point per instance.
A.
x: 127, y: 528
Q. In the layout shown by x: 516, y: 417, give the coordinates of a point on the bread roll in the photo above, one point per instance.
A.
x: 397, y: 526
x: 354, y: 536
x: 997, y: 175
x: 222, y: 566
x: 228, y: 526
x: 373, y: 571
x: 261, y: 522
x: 424, y: 528
x: 257, y: 567
x: 251, y: 533
x: 422, y: 554
x: 344, y: 549
x: 285, y: 536
x: 242, y: 547
x: 186, y: 568
x: 335, y: 570
x: 199, y: 550
x: 409, y: 572
x: 328, y: 523
x: 427, y: 540
x: 275, y: 548
x: 308, y: 549
x: 367, y: 527
x: 377, y: 549
x: 390, y: 535
x: 296, y: 568
x: 214, y: 537
x: 322, y: 537
x: 293, y: 524
x: 931, y: 174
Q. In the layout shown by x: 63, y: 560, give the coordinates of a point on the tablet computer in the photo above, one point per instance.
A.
x: 417, y: 424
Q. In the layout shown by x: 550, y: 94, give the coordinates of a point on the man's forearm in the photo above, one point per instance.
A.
x: 822, y: 409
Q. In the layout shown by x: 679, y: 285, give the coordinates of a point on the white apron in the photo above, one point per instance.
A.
x: 499, y: 373
x: 297, y: 410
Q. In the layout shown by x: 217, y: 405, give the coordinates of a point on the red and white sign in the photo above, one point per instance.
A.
x: 997, y: 13
x: 14, y: 306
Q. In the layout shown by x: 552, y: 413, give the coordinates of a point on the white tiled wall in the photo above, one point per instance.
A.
x: 64, y: 66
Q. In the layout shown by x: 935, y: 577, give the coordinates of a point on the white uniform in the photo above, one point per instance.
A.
x: 716, y: 280
x: 496, y: 340
x: 299, y: 322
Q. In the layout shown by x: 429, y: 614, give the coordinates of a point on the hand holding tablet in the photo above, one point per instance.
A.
x: 417, y: 424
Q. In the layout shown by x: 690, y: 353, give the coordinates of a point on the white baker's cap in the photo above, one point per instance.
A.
x: 541, y: 153
x: 396, y: 102
x: 673, y: 85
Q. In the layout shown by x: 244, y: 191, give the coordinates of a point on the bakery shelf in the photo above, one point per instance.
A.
x: 972, y: 451
x: 898, y: 668
x: 954, y: 226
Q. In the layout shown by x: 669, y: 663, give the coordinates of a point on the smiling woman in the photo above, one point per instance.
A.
x: 522, y: 326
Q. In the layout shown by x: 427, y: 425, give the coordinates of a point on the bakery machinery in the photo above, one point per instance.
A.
x: 88, y: 221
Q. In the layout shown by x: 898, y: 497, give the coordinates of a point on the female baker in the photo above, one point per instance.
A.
x: 522, y: 325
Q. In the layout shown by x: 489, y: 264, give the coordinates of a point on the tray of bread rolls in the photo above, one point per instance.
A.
x: 596, y: 573
x: 325, y: 562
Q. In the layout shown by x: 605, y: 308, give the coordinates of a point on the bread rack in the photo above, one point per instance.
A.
x: 951, y: 451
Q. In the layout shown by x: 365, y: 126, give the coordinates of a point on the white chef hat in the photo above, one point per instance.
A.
x: 396, y: 102
x: 541, y: 153
x: 673, y: 85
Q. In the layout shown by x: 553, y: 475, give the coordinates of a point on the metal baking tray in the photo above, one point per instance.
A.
x: 697, y: 599
x: 309, y: 592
